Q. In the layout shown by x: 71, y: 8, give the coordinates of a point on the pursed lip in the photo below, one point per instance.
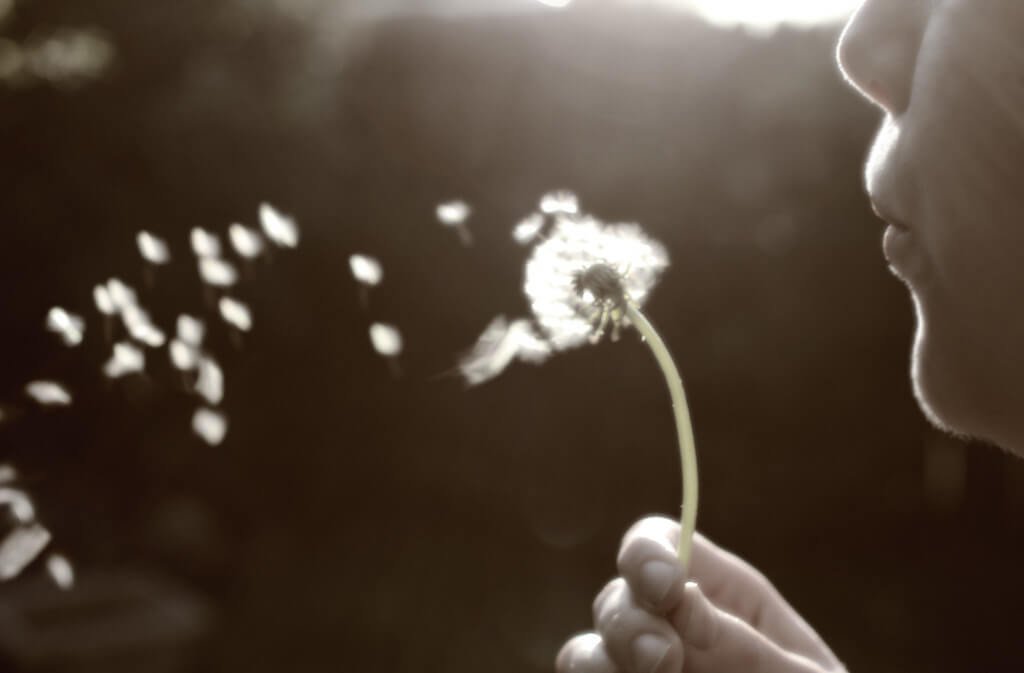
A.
x: 899, y: 245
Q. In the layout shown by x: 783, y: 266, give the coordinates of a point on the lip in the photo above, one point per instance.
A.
x: 900, y: 247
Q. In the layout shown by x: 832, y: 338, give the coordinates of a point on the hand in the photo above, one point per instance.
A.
x: 727, y: 618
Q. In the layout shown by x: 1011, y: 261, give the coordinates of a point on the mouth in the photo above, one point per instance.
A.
x: 898, y: 245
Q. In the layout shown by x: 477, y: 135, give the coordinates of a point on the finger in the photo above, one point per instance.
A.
x: 718, y: 641
x: 648, y: 561
x: 584, y: 653
x: 636, y: 640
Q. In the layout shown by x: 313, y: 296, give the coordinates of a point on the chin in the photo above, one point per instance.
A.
x: 952, y: 390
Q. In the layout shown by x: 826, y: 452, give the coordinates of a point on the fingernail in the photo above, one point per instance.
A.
x: 648, y: 651
x: 657, y: 578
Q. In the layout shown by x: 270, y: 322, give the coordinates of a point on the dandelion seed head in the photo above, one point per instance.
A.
x: 386, y: 339
x: 235, y: 313
x: 48, y: 393
x: 453, y: 213
x: 21, y: 547
x: 560, y: 202
x: 366, y: 270
x: 211, y: 425
x: 528, y: 229
x: 210, y: 383
x: 152, y: 248
x: 104, y: 302
x: 190, y: 330
x: 247, y: 242
x: 183, y: 356
x: 574, y: 246
x: 217, y: 272
x: 60, y: 571
x: 127, y: 358
x: 69, y: 326
x: 279, y: 228
x: 500, y: 344
x: 204, y: 243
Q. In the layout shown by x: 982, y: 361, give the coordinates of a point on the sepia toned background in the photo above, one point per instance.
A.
x: 362, y: 514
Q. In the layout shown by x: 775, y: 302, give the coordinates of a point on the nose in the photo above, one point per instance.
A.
x: 878, y: 50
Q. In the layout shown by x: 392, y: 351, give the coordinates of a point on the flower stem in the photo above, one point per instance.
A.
x: 684, y: 430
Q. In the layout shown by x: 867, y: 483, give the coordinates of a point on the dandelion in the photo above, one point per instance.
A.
x: 500, y: 344
x: 19, y: 503
x: 561, y: 202
x: 48, y: 393
x: 528, y: 229
x: 368, y: 273
x: 121, y: 295
x: 387, y: 341
x: 190, y: 330
x: 246, y: 242
x: 279, y: 228
x: 183, y: 356
x: 69, y: 326
x: 217, y: 272
x: 60, y: 571
x: 152, y: 248
x: 104, y: 301
x: 210, y: 424
x: 140, y: 326
x: 126, y: 359
x: 204, y: 243
x: 210, y: 383
x: 454, y: 214
x: 584, y: 279
x: 235, y: 313
x: 20, y: 548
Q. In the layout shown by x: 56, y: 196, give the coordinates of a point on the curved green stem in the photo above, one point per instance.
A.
x: 684, y: 430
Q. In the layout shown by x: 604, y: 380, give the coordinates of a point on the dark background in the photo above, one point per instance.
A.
x: 354, y: 520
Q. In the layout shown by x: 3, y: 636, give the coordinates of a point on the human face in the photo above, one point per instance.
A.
x: 947, y: 171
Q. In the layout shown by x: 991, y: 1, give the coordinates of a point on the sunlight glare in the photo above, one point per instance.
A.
x: 758, y: 13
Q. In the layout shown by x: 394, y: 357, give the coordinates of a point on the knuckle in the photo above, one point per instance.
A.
x: 609, y: 594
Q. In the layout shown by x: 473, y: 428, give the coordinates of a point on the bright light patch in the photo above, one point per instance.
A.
x: 555, y: 3
x: 762, y: 14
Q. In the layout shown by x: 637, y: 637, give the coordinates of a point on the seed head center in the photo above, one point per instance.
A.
x: 603, y: 281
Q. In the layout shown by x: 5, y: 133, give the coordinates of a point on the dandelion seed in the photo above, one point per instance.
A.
x: 126, y: 359
x: 235, y: 313
x: 7, y: 474
x: 140, y: 326
x: 19, y: 503
x: 103, y: 300
x: 561, y: 202
x: 20, y: 548
x: 210, y: 383
x: 386, y: 339
x: 528, y: 229
x: 69, y: 326
x: 246, y: 242
x: 500, y: 344
x: 366, y: 269
x: 183, y: 356
x: 217, y: 272
x: 152, y: 248
x: 60, y: 571
x: 48, y: 393
x: 279, y: 228
x: 191, y: 330
x: 210, y: 424
x: 204, y: 243
x: 121, y: 295
x: 454, y: 214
